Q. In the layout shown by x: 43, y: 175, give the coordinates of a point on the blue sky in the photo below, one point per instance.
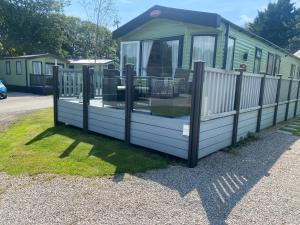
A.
x: 237, y: 11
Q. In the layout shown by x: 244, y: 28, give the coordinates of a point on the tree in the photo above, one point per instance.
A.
x: 277, y: 24
x: 103, y: 14
x: 31, y: 26
x: 80, y: 37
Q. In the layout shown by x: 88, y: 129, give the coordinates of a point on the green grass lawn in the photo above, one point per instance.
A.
x: 32, y: 146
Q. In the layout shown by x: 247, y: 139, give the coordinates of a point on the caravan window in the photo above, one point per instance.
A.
x: 204, y: 49
x: 257, y: 60
x: 18, y: 67
x: 270, y: 65
x: 230, y: 53
x: 37, y: 67
x: 130, y: 54
x: 7, y: 67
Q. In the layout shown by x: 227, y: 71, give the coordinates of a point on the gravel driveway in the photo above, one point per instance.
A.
x: 19, y: 104
x: 258, y: 184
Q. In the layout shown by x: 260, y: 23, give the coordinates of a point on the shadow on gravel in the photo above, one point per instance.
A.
x: 223, y: 179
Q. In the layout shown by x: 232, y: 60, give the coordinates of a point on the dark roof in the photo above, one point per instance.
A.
x: 187, y: 16
x: 34, y: 56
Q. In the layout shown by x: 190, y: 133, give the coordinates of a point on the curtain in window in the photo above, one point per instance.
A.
x: 146, y: 50
x: 18, y: 67
x: 49, y: 69
x: 203, y: 49
x: 175, y: 47
x: 7, y: 67
x: 270, y: 64
x: 230, y: 52
x: 37, y: 67
x: 130, y: 55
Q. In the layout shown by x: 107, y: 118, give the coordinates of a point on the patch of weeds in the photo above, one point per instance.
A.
x: 232, y: 150
x: 243, y: 141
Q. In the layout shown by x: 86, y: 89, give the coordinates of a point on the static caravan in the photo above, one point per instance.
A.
x: 98, y: 64
x: 177, y: 90
x: 170, y: 38
x: 30, y: 73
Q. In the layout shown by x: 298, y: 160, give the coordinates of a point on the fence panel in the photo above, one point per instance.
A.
x: 270, y: 90
x: 250, y: 91
x: 218, y: 91
x: 284, y: 91
x: 70, y: 83
x: 294, y: 89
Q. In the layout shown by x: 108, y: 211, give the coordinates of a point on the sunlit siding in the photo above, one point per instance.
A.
x: 162, y: 28
x: 245, y: 43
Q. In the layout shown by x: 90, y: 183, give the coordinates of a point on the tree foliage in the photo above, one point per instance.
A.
x: 39, y: 26
x: 279, y: 23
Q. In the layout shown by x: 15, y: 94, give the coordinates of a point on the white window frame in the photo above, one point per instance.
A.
x: 137, y: 53
x: 19, y: 72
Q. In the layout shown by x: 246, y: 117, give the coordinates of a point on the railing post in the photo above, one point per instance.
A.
x: 289, y: 98
x: 277, y: 99
x: 237, y: 106
x: 296, y: 104
x: 128, y: 101
x: 55, y: 94
x: 261, y: 102
x: 195, y: 118
x: 86, y: 97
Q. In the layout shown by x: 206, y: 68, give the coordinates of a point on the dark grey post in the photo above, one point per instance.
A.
x: 128, y: 101
x: 277, y: 99
x: 195, y: 118
x: 86, y: 96
x: 237, y: 106
x: 55, y: 94
x: 289, y: 98
x: 296, y: 104
x: 261, y: 102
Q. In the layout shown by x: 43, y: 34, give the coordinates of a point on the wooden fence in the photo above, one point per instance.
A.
x: 232, y: 105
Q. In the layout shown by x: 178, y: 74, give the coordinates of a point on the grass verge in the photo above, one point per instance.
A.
x: 32, y: 146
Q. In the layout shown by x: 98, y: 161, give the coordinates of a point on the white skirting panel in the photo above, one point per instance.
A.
x: 281, y: 113
x: 70, y: 113
x: 267, y: 117
x: 215, y: 134
x: 298, y: 108
x: 159, y: 133
x: 291, y: 110
x: 107, y: 121
x: 247, y: 123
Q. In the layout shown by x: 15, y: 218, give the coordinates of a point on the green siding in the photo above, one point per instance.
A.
x: 162, y: 28
x: 20, y: 80
x: 245, y: 43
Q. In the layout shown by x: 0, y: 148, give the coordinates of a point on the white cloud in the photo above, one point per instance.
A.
x: 245, y: 19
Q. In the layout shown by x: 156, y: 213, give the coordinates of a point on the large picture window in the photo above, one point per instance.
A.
x: 130, y: 54
x: 18, y: 67
x: 270, y: 65
x: 7, y: 67
x: 204, y: 49
x: 37, y: 67
x: 162, y: 59
x: 230, y: 53
x: 257, y: 60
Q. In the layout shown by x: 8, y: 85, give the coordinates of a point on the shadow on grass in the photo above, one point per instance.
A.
x: 125, y: 158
